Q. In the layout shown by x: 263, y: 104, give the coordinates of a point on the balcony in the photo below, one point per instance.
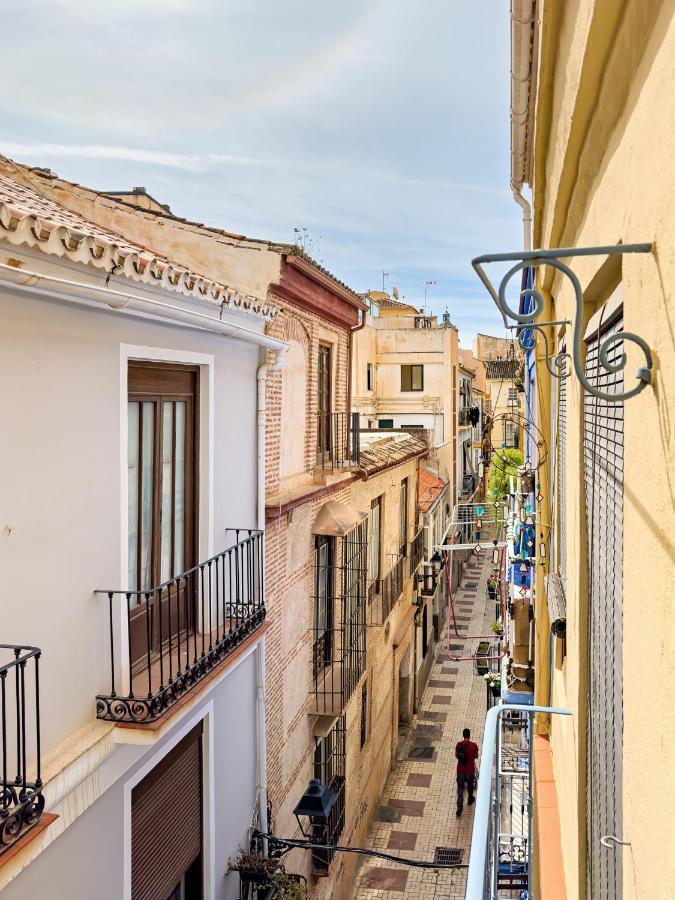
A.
x: 337, y: 441
x: 468, y: 486
x: 21, y: 801
x: 385, y: 599
x: 416, y: 551
x: 165, y: 640
x: 500, y: 864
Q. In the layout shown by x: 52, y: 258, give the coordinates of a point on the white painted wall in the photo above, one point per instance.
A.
x: 63, y: 495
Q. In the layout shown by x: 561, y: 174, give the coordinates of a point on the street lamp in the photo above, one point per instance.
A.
x: 316, y: 805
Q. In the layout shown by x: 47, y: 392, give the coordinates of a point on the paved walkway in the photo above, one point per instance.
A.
x: 417, y: 810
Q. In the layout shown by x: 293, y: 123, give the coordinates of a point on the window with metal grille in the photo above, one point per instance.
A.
x: 403, y: 517
x: 330, y: 769
x: 561, y: 480
x: 603, y: 476
x: 369, y: 377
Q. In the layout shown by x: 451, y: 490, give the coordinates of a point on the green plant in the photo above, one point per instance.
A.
x: 497, y: 627
x: 504, y: 464
x: 268, y: 872
x: 494, y: 679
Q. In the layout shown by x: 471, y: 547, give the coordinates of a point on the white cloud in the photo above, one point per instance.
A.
x: 194, y: 162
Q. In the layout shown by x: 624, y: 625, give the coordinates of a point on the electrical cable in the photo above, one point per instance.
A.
x: 293, y: 843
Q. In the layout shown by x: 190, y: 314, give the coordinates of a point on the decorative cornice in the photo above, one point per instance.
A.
x: 68, y: 235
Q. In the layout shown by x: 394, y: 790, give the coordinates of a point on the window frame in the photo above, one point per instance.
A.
x: 408, y: 377
x: 404, y: 500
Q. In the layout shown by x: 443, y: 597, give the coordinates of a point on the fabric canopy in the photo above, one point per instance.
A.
x: 337, y: 519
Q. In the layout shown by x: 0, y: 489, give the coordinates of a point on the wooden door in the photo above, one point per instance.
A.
x: 162, y: 500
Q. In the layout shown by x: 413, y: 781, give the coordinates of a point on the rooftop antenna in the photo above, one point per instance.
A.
x: 427, y: 285
x: 386, y: 275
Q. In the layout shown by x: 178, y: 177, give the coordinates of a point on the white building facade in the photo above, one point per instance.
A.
x: 132, y: 558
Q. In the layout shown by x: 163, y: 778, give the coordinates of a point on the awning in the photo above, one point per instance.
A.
x: 337, y: 519
x: 557, y: 605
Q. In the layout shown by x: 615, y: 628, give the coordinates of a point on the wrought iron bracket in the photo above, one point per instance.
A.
x: 528, y: 320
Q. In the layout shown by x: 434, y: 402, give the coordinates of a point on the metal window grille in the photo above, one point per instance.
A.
x: 603, y: 470
x: 330, y: 769
x: 561, y: 532
x: 339, y: 638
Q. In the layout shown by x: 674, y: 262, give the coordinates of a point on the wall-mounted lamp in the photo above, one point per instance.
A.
x: 315, y: 805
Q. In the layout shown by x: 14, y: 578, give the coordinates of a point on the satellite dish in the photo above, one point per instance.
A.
x: 394, y: 291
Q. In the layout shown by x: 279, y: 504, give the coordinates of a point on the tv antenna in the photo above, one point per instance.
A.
x: 427, y: 285
x: 386, y: 275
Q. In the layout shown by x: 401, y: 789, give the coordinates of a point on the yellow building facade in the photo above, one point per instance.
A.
x: 599, y: 138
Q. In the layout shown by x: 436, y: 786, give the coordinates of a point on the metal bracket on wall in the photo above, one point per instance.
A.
x: 528, y: 321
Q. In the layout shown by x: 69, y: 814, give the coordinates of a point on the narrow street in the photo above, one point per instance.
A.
x: 417, y: 812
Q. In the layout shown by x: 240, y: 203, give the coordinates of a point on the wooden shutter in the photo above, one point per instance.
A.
x: 603, y: 471
x: 166, y: 821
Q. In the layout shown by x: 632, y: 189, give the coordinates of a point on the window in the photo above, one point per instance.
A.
x: 412, y: 378
x: 324, y: 399
x: 324, y: 602
x: 364, y: 713
x: 385, y: 423
x: 374, y: 545
x: 369, y: 377
x: 425, y: 629
x: 404, y: 427
x: 513, y: 395
x: 329, y: 769
x: 403, y: 517
x: 162, y: 498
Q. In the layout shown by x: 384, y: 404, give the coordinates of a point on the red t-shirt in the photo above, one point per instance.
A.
x: 471, y: 753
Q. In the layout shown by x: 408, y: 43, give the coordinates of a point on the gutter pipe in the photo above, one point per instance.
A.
x: 88, y: 294
x: 522, y: 86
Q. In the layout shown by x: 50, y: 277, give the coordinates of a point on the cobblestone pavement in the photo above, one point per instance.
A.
x: 417, y: 809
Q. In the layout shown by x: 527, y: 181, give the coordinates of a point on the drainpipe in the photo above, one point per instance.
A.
x: 523, y: 75
x: 261, y: 410
x: 352, y: 332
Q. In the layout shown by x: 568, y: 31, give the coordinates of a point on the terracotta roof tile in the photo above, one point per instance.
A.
x: 390, y: 451
x: 27, y: 217
x: 430, y: 488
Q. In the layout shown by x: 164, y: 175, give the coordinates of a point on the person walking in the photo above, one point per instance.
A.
x: 466, y: 753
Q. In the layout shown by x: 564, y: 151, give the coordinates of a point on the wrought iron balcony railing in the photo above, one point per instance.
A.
x: 390, y: 588
x: 164, y: 640
x: 500, y: 864
x: 340, y: 618
x: 337, y: 440
x: 416, y: 551
x: 21, y: 800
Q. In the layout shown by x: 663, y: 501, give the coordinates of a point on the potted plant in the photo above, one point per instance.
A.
x: 494, y: 682
x: 497, y: 627
x: 259, y: 873
x: 492, y: 585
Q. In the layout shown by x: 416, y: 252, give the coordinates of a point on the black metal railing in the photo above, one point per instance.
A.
x: 337, y: 440
x: 164, y: 640
x: 21, y: 800
x: 340, y: 614
x: 416, y: 551
x: 390, y: 588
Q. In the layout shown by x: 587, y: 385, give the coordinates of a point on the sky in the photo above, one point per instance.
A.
x: 379, y: 126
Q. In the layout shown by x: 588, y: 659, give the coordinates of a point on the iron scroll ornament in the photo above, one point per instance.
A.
x: 552, y: 258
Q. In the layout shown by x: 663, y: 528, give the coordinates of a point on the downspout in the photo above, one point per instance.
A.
x: 523, y: 75
x: 352, y: 332
x: 261, y: 411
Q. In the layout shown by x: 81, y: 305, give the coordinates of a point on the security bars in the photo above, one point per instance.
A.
x: 21, y: 800
x: 164, y: 640
x: 340, y: 614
